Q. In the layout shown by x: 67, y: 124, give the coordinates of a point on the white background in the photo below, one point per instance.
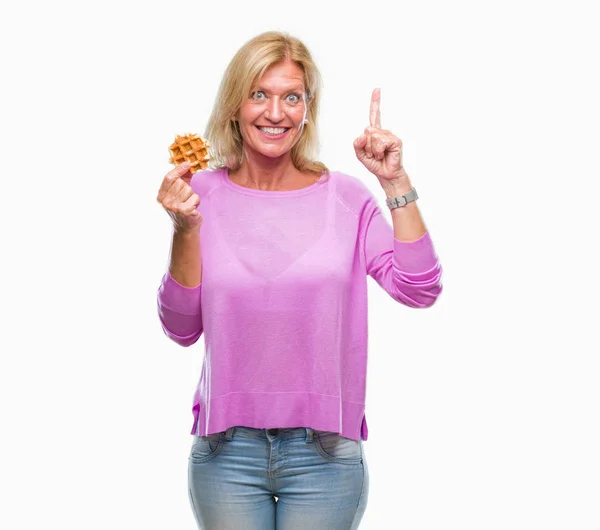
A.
x: 483, y: 410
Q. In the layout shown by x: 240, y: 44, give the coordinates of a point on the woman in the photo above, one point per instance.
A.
x: 276, y: 281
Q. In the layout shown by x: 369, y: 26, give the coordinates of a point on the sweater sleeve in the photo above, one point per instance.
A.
x: 410, y: 272
x: 179, y: 311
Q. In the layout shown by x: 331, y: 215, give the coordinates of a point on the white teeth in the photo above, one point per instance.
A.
x: 271, y: 130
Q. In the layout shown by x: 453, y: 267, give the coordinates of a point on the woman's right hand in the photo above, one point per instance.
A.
x: 179, y: 200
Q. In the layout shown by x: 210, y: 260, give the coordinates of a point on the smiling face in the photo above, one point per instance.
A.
x: 272, y: 117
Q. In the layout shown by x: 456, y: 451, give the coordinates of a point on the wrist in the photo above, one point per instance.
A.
x: 396, y: 188
x: 186, y: 233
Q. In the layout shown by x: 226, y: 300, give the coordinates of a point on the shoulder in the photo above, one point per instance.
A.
x: 205, y: 181
x: 351, y: 190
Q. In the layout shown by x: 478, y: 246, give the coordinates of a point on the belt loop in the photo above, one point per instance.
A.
x: 229, y: 433
x: 310, y: 434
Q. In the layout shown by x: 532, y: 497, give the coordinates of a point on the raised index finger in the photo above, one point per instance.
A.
x: 375, y: 115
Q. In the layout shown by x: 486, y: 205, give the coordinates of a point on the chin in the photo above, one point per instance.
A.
x: 273, y: 153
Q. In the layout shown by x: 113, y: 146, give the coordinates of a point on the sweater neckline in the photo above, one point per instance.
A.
x: 264, y: 193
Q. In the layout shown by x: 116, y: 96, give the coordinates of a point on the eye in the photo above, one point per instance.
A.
x: 258, y: 95
x: 293, y: 98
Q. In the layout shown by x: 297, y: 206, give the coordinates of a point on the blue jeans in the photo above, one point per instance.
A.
x: 320, y: 479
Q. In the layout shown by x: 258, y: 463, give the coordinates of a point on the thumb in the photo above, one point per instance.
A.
x: 184, y: 171
x: 359, y: 146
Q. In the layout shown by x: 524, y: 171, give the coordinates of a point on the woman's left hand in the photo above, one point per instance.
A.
x: 379, y: 150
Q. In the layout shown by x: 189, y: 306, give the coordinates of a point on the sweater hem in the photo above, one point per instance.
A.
x: 179, y: 298
x: 271, y: 410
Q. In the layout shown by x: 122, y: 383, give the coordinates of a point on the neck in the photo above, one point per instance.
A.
x: 265, y: 173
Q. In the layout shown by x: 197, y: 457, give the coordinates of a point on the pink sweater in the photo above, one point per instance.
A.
x: 283, y: 302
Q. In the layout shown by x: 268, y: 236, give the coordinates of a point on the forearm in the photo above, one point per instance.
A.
x: 185, y: 264
x: 408, y: 223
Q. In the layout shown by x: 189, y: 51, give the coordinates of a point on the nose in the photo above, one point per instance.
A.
x: 274, y: 111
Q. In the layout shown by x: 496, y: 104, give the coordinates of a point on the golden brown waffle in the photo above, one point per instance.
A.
x: 191, y: 148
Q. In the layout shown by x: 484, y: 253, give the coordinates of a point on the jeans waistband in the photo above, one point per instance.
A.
x: 270, y: 434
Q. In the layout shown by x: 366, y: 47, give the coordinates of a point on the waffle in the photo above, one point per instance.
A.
x: 191, y: 148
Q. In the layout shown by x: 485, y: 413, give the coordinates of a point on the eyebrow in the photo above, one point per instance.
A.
x: 291, y: 88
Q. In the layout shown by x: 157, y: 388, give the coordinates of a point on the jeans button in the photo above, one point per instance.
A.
x: 273, y: 432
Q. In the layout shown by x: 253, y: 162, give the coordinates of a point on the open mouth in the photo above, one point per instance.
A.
x: 273, y: 132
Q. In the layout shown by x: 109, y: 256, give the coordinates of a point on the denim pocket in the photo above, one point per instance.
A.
x: 338, y: 448
x: 206, y: 447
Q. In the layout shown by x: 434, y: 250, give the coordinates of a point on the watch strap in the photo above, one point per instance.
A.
x: 396, y: 202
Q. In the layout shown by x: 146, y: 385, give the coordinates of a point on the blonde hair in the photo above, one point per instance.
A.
x: 247, y: 66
